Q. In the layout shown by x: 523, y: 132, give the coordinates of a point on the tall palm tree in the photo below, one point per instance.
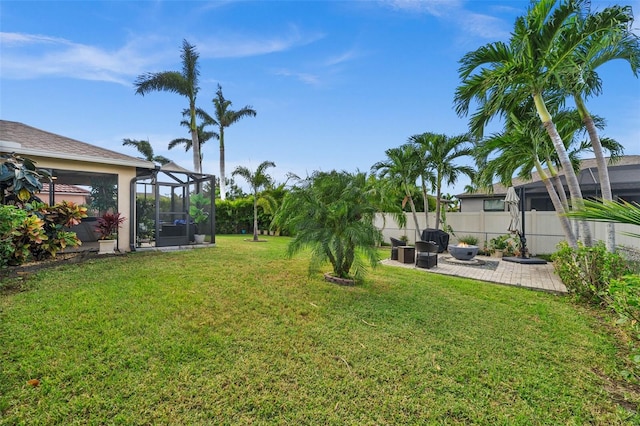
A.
x: 333, y: 213
x: 580, y: 80
x: 257, y: 180
x: 400, y: 169
x: 145, y: 148
x: 203, y: 135
x: 184, y: 83
x: 528, y: 65
x: 225, y: 117
x: 425, y: 168
x: 442, y: 152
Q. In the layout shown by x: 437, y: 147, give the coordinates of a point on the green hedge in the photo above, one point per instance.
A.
x: 232, y: 216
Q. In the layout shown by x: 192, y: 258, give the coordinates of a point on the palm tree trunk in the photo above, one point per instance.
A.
x: 413, y: 208
x: 438, y: 205
x: 195, y: 143
x: 558, y: 184
x: 572, y: 180
x: 425, y: 203
x: 557, y: 204
x: 255, y: 216
x: 603, y: 170
x: 223, y: 186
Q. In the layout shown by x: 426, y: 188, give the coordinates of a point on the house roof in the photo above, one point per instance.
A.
x: 500, y: 190
x: 63, y: 188
x: 26, y: 140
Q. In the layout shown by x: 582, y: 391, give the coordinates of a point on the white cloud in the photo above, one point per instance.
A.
x: 241, y: 45
x: 307, y: 78
x: 35, y: 55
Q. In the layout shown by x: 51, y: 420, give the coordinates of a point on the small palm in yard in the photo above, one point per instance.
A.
x: 257, y: 180
x: 332, y: 213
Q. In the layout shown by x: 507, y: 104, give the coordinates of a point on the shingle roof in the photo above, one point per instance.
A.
x: 26, y: 140
x: 64, y: 188
x: 588, y: 163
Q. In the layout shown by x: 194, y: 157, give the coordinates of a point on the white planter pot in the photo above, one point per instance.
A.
x: 107, y: 246
x: 199, y: 238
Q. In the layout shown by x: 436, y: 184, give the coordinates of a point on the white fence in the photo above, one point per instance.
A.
x: 542, y: 229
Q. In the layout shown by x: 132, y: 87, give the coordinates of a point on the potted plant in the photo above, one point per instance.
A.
x: 199, y: 214
x: 501, y: 245
x: 107, y: 228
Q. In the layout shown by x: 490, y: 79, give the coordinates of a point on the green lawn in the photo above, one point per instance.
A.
x: 239, y: 334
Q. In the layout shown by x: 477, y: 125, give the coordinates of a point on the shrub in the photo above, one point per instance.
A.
x: 587, y: 271
x: 11, y: 219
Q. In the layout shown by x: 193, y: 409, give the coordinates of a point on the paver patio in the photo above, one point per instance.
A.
x: 537, y: 277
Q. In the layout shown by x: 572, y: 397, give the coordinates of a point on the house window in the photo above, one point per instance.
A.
x: 494, y: 205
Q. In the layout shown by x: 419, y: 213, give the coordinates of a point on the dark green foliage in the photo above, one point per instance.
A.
x: 19, y: 179
x: 332, y: 213
x: 587, y: 271
x: 232, y: 216
x: 145, y: 208
x: 104, y: 194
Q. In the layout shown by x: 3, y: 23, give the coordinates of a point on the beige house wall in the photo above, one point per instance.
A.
x: 125, y: 174
x: 542, y: 229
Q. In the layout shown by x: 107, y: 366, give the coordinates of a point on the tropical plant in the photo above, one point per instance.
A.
x: 401, y: 169
x: 333, y: 213
x: 614, y: 40
x: 198, y: 209
x: 438, y: 153
x: 108, y: 225
x: 145, y: 148
x: 610, y: 211
x: 184, y: 83
x: 500, y: 76
x: 203, y: 135
x: 223, y: 118
x: 20, y: 179
x: 468, y: 239
x: 104, y: 194
x: 257, y: 180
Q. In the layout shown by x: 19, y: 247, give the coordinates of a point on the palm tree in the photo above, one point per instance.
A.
x: 400, y: 169
x: 610, y: 211
x: 145, y: 148
x: 184, y: 83
x: 440, y: 152
x: 425, y: 168
x: 203, y: 135
x: 257, y: 180
x: 527, y: 66
x: 615, y: 41
x: 225, y: 117
x: 333, y: 213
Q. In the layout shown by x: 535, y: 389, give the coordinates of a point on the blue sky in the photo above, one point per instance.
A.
x: 334, y: 83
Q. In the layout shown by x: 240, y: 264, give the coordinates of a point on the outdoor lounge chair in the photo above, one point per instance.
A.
x: 426, y: 254
x: 395, y: 243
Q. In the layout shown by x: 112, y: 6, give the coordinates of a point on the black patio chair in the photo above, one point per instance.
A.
x: 426, y: 254
x: 395, y: 243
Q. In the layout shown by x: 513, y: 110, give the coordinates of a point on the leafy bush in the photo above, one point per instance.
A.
x: 505, y: 243
x: 108, y: 225
x: 587, y: 271
x: 232, y: 216
x: 11, y: 219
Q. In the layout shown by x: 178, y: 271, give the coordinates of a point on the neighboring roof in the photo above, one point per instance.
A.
x: 63, y: 188
x: 500, y: 190
x: 26, y: 140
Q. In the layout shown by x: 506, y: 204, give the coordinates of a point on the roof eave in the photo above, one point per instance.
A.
x: 102, y: 160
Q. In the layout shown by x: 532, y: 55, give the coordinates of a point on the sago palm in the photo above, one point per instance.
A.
x: 332, y: 213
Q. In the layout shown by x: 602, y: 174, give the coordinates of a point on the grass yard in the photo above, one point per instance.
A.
x: 238, y: 334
